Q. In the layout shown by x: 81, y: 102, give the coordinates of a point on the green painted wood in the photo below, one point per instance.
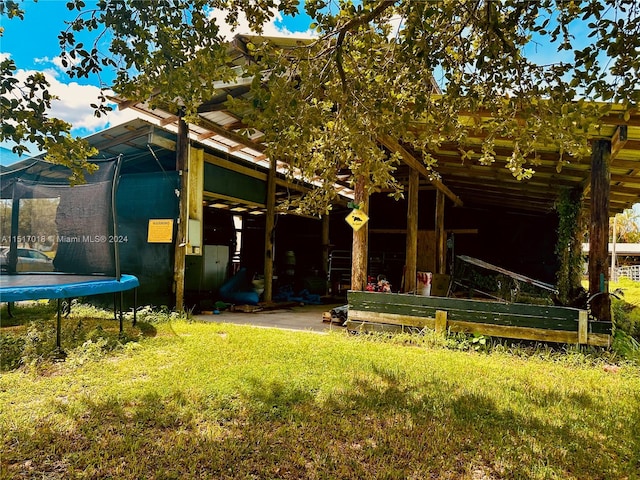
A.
x: 445, y: 303
x: 491, y: 313
x: 358, y: 326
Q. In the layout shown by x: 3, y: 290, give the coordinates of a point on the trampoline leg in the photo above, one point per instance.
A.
x: 115, y: 308
x: 121, y: 302
x: 58, y: 325
x: 9, y: 307
x: 135, y: 306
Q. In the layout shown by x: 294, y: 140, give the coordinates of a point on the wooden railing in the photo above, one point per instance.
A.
x: 370, y: 311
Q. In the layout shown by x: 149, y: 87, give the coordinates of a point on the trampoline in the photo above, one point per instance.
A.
x: 60, y: 286
x: 79, y: 221
x: 34, y: 286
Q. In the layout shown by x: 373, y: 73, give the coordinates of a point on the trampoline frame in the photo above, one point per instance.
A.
x: 15, y: 287
x: 60, y: 286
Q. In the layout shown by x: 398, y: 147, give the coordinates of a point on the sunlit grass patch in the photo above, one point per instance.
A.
x: 201, y: 400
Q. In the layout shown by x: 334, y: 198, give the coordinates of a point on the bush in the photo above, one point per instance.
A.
x: 12, y: 348
x: 626, y: 317
x: 40, y: 343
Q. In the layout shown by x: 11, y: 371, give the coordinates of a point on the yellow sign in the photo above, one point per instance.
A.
x: 160, y: 231
x: 357, y: 218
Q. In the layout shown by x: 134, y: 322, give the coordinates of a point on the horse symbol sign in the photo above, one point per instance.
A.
x: 356, y: 218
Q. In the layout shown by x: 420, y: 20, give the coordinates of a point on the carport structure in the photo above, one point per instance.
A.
x: 609, y: 179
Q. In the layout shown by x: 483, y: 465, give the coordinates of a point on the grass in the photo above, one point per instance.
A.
x: 201, y: 400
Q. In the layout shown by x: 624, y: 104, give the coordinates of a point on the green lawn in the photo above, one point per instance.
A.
x: 219, y: 401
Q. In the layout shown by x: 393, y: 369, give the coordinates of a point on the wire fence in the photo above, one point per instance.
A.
x: 631, y: 272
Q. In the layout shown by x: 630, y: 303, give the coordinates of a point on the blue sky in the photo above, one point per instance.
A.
x: 33, y: 44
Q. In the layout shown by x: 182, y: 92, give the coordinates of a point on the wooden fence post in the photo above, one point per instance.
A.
x: 441, y: 321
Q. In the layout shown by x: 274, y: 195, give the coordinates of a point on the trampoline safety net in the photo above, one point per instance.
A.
x: 75, y: 226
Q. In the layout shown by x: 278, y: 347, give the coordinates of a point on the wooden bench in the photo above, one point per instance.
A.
x: 371, y: 311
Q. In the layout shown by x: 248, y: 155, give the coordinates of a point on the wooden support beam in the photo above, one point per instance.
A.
x: 599, y: 230
x: 170, y: 119
x: 121, y: 139
x: 325, y: 249
x: 411, y: 259
x: 413, y: 162
x: 441, y: 236
x: 359, y: 252
x: 618, y: 141
x: 195, y: 182
x: 231, y: 135
x: 629, y: 179
x: 269, y: 232
x: 182, y: 155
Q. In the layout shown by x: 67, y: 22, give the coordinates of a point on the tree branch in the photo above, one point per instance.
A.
x: 352, y: 24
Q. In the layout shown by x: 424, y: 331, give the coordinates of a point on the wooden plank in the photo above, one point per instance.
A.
x: 229, y: 165
x: 618, y: 141
x: 441, y: 322
x: 412, y: 162
x: 521, y: 333
x: 411, y: 256
x: 471, y: 316
x: 241, y: 139
x: 368, y: 327
x: 392, y: 319
x: 379, y: 310
x: 600, y: 327
x: 518, y: 333
x: 599, y: 340
x: 445, y: 303
x: 583, y: 323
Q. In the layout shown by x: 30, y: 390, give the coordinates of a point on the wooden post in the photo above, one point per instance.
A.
x: 195, y: 182
x: 182, y: 153
x: 441, y: 321
x: 411, y: 259
x: 325, y: 250
x: 441, y: 235
x: 583, y: 325
x: 269, y: 232
x: 599, y: 230
x: 359, y: 251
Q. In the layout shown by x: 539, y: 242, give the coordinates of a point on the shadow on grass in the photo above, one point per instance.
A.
x: 381, y: 427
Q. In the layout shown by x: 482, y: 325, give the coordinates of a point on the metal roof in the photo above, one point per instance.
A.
x: 473, y: 184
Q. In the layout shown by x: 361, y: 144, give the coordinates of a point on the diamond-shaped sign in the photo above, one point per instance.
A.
x: 356, y: 218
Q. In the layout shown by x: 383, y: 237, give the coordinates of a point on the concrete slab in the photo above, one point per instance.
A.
x: 305, y: 317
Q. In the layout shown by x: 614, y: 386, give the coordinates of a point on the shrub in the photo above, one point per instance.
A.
x: 40, y: 342
x: 12, y: 348
x: 626, y: 317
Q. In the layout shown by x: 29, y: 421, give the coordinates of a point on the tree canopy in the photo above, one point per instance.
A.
x: 422, y: 72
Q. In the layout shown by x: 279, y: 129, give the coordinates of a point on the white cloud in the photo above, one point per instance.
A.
x: 4, y: 56
x: 73, y: 104
x: 270, y: 29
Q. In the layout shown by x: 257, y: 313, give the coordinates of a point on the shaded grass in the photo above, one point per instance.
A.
x: 223, y: 401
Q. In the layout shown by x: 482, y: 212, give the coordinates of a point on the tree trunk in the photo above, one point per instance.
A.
x: 359, y: 252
